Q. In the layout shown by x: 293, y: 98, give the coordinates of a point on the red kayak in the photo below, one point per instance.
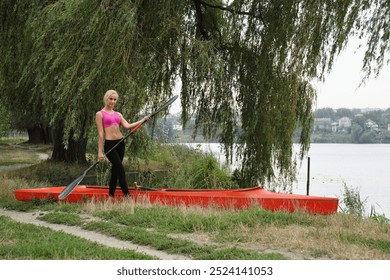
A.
x: 234, y: 198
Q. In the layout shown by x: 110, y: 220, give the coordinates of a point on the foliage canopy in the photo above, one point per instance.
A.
x: 244, y: 66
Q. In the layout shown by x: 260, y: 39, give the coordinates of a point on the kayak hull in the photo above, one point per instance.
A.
x: 233, y: 199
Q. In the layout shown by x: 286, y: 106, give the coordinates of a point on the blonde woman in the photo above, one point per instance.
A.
x: 108, y: 122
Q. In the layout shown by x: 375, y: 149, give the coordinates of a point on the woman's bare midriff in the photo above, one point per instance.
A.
x: 113, y: 133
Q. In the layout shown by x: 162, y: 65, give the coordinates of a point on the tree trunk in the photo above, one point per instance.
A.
x: 39, y: 134
x: 47, y: 134
x: 73, y: 153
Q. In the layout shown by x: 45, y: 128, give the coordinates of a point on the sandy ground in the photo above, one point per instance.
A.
x: 32, y: 218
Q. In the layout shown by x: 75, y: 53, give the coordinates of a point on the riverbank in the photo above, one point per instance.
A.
x: 193, y: 233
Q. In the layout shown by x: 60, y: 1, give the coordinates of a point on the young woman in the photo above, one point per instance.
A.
x: 108, y: 124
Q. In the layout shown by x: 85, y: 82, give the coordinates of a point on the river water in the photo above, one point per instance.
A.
x: 362, y: 167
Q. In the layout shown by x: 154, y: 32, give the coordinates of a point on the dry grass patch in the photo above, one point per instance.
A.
x: 9, y: 185
x: 365, y: 227
x: 126, y: 206
x: 321, y: 240
x: 199, y: 238
x: 7, y: 188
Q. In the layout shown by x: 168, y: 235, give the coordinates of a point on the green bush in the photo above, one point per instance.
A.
x: 206, y: 174
x: 198, y: 170
x: 56, y: 173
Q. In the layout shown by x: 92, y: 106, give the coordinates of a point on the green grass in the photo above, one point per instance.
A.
x: 160, y: 241
x: 25, y: 241
x: 167, y: 219
x: 54, y: 173
x: 70, y: 219
x: 12, y: 140
x: 228, y: 232
x: 11, y: 156
x: 231, y: 234
x: 379, y: 244
x: 140, y: 233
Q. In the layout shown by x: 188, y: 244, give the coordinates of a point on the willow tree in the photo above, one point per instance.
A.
x: 244, y: 67
x: 374, y: 25
x: 15, y: 49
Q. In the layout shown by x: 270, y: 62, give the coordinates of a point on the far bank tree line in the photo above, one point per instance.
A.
x: 330, y: 126
x: 351, y: 126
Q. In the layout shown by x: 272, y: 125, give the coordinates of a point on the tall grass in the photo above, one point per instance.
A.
x: 190, y: 168
x: 352, y: 203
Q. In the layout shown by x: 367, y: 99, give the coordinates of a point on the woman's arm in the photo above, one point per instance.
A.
x: 99, y: 125
x: 127, y: 125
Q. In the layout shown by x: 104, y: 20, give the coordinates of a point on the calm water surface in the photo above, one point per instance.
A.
x: 361, y: 166
x: 364, y: 167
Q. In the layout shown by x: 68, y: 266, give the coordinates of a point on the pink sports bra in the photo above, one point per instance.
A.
x: 110, y: 119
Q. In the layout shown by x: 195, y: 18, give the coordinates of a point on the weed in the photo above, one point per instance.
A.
x: 353, y: 204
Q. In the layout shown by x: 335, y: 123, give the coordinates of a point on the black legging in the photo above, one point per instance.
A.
x: 117, y: 169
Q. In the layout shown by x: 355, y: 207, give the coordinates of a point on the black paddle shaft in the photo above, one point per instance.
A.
x: 77, y: 181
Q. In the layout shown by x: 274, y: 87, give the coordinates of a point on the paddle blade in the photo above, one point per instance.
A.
x: 165, y: 105
x: 70, y: 187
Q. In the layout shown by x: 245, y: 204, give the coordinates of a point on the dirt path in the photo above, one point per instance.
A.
x: 31, y: 218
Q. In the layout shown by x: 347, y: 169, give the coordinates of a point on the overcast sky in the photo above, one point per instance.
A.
x: 341, y: 88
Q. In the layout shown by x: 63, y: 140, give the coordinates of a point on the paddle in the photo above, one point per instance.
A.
x: 77, y: 181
